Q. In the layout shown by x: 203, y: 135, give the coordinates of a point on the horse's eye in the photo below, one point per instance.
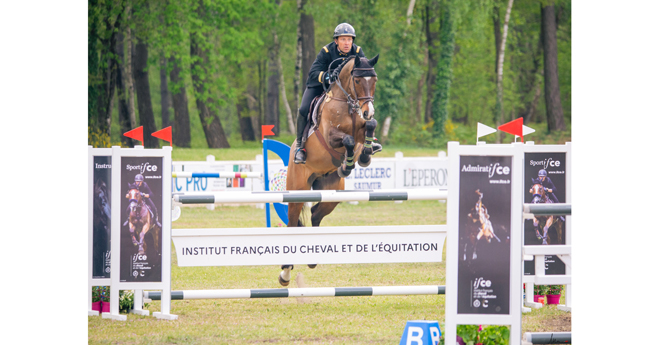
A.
x: 357, y: 81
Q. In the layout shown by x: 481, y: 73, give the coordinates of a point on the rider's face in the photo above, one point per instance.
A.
x: 139, y: 183
x: 344, y: 43
x: 542, y: 178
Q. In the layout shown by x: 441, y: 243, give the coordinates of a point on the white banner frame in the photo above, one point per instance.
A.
x: 165, y: 284
x: 514, y: 318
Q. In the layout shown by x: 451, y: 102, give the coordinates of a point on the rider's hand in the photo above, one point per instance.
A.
x: 146, y: 195
x: 550, y: 190
x: 334, y: 75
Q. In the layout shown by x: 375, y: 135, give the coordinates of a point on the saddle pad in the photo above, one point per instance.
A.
x: 316, y: 104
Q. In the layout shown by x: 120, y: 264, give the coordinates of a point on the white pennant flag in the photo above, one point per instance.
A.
x: 526, y: 130
x: 484, y: 130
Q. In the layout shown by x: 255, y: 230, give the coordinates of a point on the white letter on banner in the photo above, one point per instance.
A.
x: 417, y: 338
x: 435, y: 335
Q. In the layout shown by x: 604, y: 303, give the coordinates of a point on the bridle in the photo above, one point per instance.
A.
x: 354, y: 103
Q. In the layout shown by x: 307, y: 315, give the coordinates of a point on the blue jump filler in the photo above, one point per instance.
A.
x: 282, y: 150
x: 421, y: 332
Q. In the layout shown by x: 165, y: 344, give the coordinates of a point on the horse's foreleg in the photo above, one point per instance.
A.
x: 365, y: 157
x: 131, y: 228
x: 143, y: 246
x: 548, y: 223
x: 320, y: 210
x: 349, y: 161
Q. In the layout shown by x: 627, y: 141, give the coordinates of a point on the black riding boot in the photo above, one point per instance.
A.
x: 301, y: 154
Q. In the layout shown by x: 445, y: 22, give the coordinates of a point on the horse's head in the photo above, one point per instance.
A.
x: 101, y: 199
x: 538, y: 193
x: 134, y: 199
x: 363, y: 84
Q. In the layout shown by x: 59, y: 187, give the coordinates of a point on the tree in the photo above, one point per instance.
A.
x: 124, y: 116
x: 105, y: 20
x: 444, y: 73
x: 499, y: 114
x: 181, y: 128
x: 554, y: 111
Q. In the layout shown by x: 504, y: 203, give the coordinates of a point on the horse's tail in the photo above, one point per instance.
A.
x: 304, y: 218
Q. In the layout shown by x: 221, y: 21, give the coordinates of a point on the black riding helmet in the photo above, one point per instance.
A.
x: 344, y: 29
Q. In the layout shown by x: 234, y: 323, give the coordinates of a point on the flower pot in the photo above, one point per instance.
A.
x: 96, y: 306
x: 553, y: 299
x: 105, y: 307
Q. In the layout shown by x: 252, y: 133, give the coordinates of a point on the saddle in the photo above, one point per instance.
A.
x: 313, y: 116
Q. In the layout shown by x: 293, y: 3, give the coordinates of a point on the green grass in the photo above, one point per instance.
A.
x: 319, y: 320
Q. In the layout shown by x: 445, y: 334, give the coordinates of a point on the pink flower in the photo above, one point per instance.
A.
x: 480, y: 328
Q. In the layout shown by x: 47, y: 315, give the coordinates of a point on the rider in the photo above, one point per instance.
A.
x: 143, y: 187
x: 549, y: 187
x: 547, y: 184
x: 341, y: 48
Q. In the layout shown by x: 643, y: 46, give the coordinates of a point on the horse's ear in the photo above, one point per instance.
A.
x: 356, y: 61
x: 374, y: 60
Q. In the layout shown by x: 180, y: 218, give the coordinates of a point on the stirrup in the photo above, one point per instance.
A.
x: 302, y: 160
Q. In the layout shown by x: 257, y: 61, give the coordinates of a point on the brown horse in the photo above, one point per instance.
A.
x: 478, y: 226
x: 140, y: 218
x: 345, y: 128
x: 539, y: 196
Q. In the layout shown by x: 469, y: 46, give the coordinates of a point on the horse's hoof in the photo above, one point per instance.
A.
x: 364, y: 160
x: 312, y: 266
x: 285, y: 277
x: 342, y: 173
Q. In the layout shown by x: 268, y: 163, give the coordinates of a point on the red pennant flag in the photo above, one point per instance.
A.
x: 514, y: 127
x: 135, y: 134
x: 165, y: 134
x: 267, y: 130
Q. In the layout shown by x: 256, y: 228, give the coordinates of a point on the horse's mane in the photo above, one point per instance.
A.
x: 344, y: 63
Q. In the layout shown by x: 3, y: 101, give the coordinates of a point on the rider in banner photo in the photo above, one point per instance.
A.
x: 341, y: 48
x: 546, y: 182
x: 143, y: 187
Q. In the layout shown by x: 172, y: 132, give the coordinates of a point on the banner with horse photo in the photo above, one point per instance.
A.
x: 545, y: 182
x: 142, y: 199
x: 484, y: 240
x: 101, y: 217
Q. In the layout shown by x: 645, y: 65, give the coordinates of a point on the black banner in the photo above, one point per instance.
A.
x: 484, y: 235
x: 545, y: 182
x: 141, y: 237
x: 101, y: 217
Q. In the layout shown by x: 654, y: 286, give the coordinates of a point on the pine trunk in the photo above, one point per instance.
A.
x: 308, y: 47
x: 272, y: 97
x: 296, y: 77
x: 432, y: 42
x: 554, y: 111
x: 499, y: 112
x: 165, y: 97
x: 142, y: 88
x: 181, y: 127
x: 124, y: 117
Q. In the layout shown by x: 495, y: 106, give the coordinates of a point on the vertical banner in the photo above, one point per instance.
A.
x: 141, y: 243
x: 484, y: 227
x: 101, y: 193
x: 545, y: 182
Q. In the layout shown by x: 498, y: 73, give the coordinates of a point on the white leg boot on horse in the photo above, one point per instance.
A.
x: 285, y: 275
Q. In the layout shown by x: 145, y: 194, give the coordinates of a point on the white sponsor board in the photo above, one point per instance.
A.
x: 378, y: 175
x: 421, y: 172
x: 327, y: 245
x: 383, y: 173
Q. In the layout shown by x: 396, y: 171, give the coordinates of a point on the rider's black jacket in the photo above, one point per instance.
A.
x: 328, y: 54
x: 547, y: 184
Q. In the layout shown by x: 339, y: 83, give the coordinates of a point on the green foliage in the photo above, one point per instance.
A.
x: 480, y: 335
x: 237, y: 36
x: 540, y: 290
x: 98, y: 138
x: 554, y: 289
x: 100, y: 293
